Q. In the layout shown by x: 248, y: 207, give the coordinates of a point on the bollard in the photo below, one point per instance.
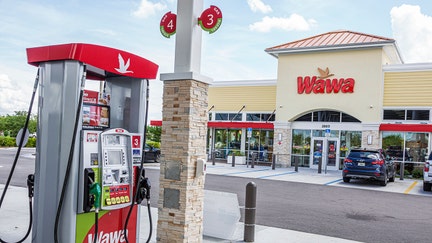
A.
x: 296, y: 165
x: 253, y: 160
x: 319, y: 166
x: 213, y: 158
x: 233, y: 160
x: 250, y: 211
x: 274, y: 161
x: 402, y: 170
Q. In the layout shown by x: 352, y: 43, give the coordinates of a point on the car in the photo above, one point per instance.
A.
x: 151, y: 154
x: 371, y: 164
x: 427, y: 174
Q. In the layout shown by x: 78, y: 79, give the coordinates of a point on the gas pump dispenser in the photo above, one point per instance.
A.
x: 89, y: 152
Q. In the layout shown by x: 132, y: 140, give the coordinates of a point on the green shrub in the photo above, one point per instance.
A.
x: 417, y: 173
x: 10, y: 142
x: 154, y: 144
x: 7, y: 142
x: 31, y: 143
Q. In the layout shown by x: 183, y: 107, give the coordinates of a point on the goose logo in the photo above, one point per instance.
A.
x: 123, y: 67
x: 324, y: 84
x: 324, y: 74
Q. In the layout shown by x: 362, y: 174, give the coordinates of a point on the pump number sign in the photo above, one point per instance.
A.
x: 210, y: 19
x: 168, y: 24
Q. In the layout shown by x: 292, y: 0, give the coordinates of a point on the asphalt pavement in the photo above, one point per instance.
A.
x: 14, y: 215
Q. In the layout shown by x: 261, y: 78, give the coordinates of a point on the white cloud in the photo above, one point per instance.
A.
x: 147, y: 9
x: 12, y: 97
x: 413, y: 33
x: 259, y: 6
x: 294, y: 22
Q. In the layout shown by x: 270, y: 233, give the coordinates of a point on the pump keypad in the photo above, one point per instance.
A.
x: 116, y: 195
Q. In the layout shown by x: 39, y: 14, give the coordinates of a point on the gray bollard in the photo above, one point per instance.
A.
x: 213, y: 158
x: 274, y: 161
x: 250, y: 211
x: 296, y: 165
x: 233, y: 160
x: 319, y: 166
x: 253, y: 160
x: 402, y: 170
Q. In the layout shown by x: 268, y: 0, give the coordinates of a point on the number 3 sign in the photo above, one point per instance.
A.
x: 211, y: 19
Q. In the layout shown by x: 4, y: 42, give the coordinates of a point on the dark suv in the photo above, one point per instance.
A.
x: 368, y: 164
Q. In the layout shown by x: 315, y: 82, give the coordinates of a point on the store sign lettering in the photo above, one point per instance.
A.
x: 323, y: 84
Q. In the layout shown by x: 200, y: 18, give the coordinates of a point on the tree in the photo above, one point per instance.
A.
x: 154, y: 133
x: 11, y: 124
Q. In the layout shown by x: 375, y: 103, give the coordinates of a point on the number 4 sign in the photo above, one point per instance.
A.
x: 168, y: 24
x: 210, y: 19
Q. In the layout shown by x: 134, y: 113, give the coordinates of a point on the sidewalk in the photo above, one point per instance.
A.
x: 14, y: 220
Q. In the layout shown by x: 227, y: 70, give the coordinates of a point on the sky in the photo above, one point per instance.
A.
x: 234, y: 52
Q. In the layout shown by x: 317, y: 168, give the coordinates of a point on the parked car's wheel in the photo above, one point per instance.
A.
x: 427, y: 186
x: 384, y: 182
x: 346, y: 179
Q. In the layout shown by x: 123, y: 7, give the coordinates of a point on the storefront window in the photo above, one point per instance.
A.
x: 261, y: 143
x: 393, y: 144
x: 322, y: 133
x: 409, y: 147
x: 348, y: 141
x: 227, y: 140
x: 416, y: 145
x: 220, y: 143
x: 301, y: 147
x: 409, y: 115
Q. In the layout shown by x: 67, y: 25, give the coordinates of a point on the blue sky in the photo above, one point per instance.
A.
x: 234, y: 52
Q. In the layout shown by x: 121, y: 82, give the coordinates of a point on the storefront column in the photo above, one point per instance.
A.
x: 371, y: 138
x: 282, y: 143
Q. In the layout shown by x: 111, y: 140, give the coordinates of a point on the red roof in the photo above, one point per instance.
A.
x: 331, y: 39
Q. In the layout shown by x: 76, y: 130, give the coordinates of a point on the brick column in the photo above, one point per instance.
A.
x: 183, y: 141
x: 282, y: 148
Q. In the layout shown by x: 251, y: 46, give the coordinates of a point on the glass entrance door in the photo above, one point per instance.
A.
x: 325, y: 151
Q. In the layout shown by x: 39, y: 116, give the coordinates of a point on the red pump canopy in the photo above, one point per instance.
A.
x: 101, y: 61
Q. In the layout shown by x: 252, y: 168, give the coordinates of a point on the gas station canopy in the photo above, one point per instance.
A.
x: 101, y: 61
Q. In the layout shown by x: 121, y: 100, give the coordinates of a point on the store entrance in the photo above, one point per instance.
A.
x: 325, y: 151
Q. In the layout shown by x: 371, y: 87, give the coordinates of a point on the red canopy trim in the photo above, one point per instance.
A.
x: 406, y: 127
x: 221, y: 124
x: 108, y: 59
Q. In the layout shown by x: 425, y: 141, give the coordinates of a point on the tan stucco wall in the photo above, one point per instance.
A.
x: 232, y: 98
x: 403, y: 89
x: 363, y: 65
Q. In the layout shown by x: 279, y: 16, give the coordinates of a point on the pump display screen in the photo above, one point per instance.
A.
x: 112, y: 140
x: 115, y: 157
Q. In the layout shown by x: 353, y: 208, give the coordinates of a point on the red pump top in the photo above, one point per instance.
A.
x: 113, y: 61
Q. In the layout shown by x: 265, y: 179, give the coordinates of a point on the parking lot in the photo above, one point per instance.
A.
x: 307, y: 175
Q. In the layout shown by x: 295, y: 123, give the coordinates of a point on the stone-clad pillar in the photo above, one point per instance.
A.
x: 184, y: 129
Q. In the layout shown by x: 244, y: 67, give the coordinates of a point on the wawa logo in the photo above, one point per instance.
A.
x: 324, y: 84
x: 123, y: 67
x: 109, y: 237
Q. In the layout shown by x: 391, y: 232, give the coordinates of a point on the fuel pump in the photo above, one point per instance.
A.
x: 89, y: 172
x: 30, y: 178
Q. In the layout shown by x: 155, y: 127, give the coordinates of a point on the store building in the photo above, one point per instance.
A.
x: 333, y: 92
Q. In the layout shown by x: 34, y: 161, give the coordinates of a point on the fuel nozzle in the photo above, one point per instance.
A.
x: 96, y: 191
x: 30, y: 185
